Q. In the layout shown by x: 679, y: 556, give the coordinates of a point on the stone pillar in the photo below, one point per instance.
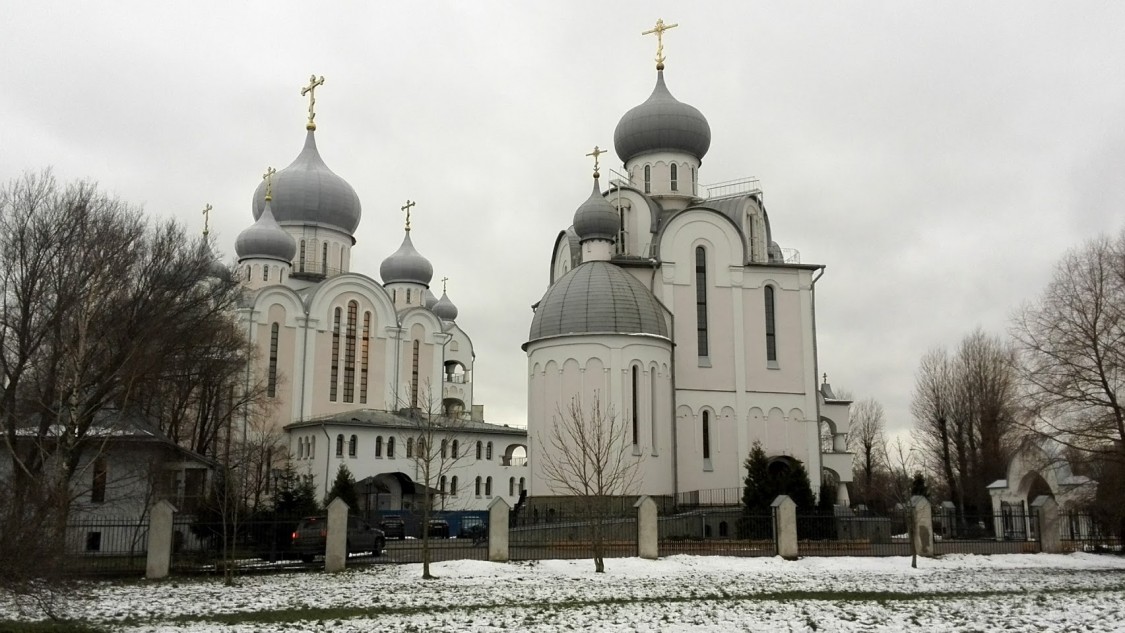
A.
x: 785, y: 526
x: 336, y: 549
x: 498, y: 513
x: 159, y: 540
x: 1050, y: 537
x: 922, y: 516
x: 648, y: 528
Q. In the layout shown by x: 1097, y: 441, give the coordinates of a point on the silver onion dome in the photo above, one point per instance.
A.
x: 596, y: 217
x: 308, y: 192
x: 265, y: 239
x: 662, y: 123
x: 444, y: 308
x: 406, y: 265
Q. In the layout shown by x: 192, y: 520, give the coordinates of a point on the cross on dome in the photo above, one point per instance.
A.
x: 268, y: 177
x: 406, y: 207
x: 206, y: 219
x: 659, y: 31
x: 309, y: 90
x: 596, y: 153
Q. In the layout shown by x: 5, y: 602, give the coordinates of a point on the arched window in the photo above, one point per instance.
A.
x: 771, y: 332
x: 511, y: 486
x: 488, y: 487
x: 444, y: 449
x: 409, y: 447
x: 349, y: 352
x: 693, y: 185
x: 477, y: 488
x: 652, y: 407
x: 648, y: 179
x: 249, y: 273
x: 422, y: 449
x: 453, y: 486
x: 456, y: 448
x: 441, y: 486
x: 335, y: 373
x: 390, y: 447
x: 265, y: 273
x: 364, y: 350
x: 100, y: 476
x: 675, y: 177
x: 414, y: 377
x: 636, y: 416
x: 706, y: 435
x: 301, y: 261
x: 271, y: 381
x: 300, y: 448
x: 701, y: 300
x: 312, y: 448
x: 522, y: 486
x: 353, y: 443
x: 480, y: 449
x: 324, y: 258
x: 379, y: 446
x: 340, y: 445
x: 488, y: 451
x: 408, y: 296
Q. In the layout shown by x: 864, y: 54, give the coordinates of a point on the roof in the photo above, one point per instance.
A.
x: 374, y: 418
x: 662, y: 123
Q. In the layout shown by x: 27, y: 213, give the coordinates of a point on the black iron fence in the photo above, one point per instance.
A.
x: 532, y: 539
x: 718, y: 532
x: 205, y: 546
x: 1091, y: 532
x: 849, y: 535
x: 715, y: 497
x: 106, y: 546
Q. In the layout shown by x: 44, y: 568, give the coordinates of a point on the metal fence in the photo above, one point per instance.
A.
x: 199, y: 546
x: 848, y: 535
x: 719, y: 533
x: 986, y: 533
x: 1091, y: 532
x: 532, y: 539
x: 106, y: 546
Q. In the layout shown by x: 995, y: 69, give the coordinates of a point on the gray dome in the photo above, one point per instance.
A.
x: 598, y: 298
x: 265, y: 239
x: 429, y: 300
x: 307, y: 192
x: 662, y: 123
x: 596, y: 218
x: 444, y: 308
x: 406, y: 265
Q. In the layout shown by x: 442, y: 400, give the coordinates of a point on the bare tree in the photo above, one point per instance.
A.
x: 867, y: 442
x: 586, y: 455
x: 902, y: 460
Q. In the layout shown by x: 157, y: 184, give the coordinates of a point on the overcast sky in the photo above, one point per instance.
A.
x: 938, y: 158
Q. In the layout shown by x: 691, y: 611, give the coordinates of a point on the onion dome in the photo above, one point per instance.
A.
x: 444, y: 308
x: 265, y: 239
x: 429, y: 300
x: 596, y: 219
x: 308, y: 192
x: 406, y: 265
x: 662, y: 124
x: 598, y: 298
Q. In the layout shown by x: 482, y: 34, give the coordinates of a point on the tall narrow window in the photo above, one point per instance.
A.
x: 511, y: 486
x: 488, y: 487
x: 409, y: 447
x: 97, y: 486
x: 349, y: 352
x: 379, y: 446
x: 476, y: 490
x: 522, y: 485
x: 271, y: 380
x: 488, y: 451
x: 701, y: 300
x: 706, y: 435
x: 312, y: 448
x: 675, y: 177
x: 636, y: 418
x: 265, y: 273
x: 480, y: 448
x: 456, y: 448
x: 414, y: 377
x: 353, y: 446
x: 324, y: 258
x: 694, y: 190
x: 364, y: 350
x: 648, y: 179
x: 390, y: 447
x: 453, y: 486
x: 771, y: 332
x: 340, y: 445
x: 444, y: 449
x: 335, y: 373
x: 301, y: 262
x: 441, y: 487
x: 408, y: 296
x: 652, y: 407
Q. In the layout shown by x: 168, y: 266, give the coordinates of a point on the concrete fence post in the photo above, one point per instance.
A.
x: 336, y: 547
x: 648, y: 528
x: 785, y: 526
x: 498, y: 513
x: 159, y: 540
x: 921, y: 513
x: 1050, y: 537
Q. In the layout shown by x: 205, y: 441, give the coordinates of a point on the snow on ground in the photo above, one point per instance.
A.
x: 1018, y: 592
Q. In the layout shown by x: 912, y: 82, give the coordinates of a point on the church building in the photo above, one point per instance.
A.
x: 351, y: 365
x: 673, y: 306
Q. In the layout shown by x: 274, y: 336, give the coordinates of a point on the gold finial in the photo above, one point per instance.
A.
x: 406, y: 207
x: 443, y: 282
x: 597, y: 152
x: 308, y: 90
x: 268, y: 177
x: 659, y: 30
x: 206, y: 219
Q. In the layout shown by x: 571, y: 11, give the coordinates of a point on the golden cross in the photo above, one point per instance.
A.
x: 659, y: 30
x: 597, y: 152
x: 443, y: 280
x: 268, y: 177
x: 308, y: 90
x: 206, y: 219
x: 406, y: 207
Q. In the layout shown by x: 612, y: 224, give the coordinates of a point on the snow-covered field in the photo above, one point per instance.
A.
x: 1019, y: 592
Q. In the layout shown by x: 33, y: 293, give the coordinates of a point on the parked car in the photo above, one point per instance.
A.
x: 393, y: 526
x: 311, y: 537
x: 438, y: 528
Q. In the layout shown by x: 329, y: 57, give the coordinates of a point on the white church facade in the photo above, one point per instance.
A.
x: 348, y: 363
x: 673, y: 305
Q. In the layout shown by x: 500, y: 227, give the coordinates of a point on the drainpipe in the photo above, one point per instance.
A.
x: 304, y: 365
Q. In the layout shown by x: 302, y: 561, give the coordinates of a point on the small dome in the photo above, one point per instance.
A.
x: 444, y: 308
x: 598, y: 298
x: 406, y: 265
x: 662, y: 123
x: 265, y: 239
x: 429, y: 300
x: 307, y: 192
x: 596, y: 218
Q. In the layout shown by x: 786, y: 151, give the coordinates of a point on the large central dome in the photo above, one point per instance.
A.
x: 308, y: 192
x: 662, y: 123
